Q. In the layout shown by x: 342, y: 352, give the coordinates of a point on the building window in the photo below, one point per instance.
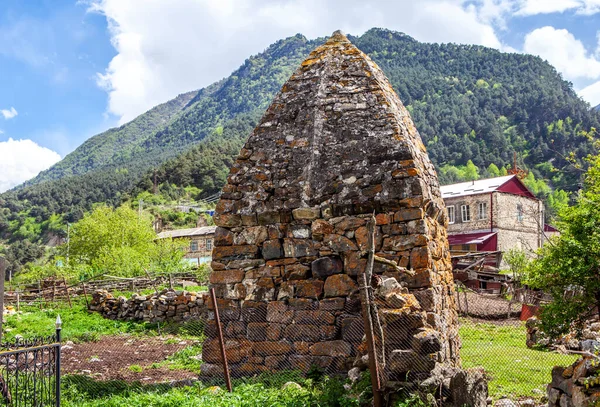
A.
x: 451, y: 218
x: 483, y: 210
x: 520, y: 212
x: 208, y: 244
x: 194, y: 246
x: 465, y: 211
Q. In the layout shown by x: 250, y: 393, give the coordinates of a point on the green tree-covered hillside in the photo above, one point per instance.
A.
x: 470, y: 103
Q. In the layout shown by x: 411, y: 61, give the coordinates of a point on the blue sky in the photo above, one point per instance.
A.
x: 71, y: 69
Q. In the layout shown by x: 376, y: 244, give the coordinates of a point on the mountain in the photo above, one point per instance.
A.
x: 470, y: 103
x: 597, y: 108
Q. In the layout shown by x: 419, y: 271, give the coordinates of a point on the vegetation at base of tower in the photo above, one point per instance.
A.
x: 473, y: 106
x: 568, y: 267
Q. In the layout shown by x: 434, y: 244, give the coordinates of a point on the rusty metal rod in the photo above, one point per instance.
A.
x: 368, y: 322
x: 221, y: 340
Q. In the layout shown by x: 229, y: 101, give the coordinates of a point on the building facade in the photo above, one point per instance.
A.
x: 495, y: 214
x: 201, y: 242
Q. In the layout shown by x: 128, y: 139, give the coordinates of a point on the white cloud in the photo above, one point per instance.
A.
x: 169, y: 47
x: 534, y: 7
x: 591, y: 93
x: 564, y: 51
x: 23, y: 160
x: 9, y: 113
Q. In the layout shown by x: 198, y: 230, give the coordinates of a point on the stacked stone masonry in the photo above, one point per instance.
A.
x: 335, y: 147
x: 167, y: 305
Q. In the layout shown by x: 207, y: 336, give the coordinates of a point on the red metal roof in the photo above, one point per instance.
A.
x: 470, y: 238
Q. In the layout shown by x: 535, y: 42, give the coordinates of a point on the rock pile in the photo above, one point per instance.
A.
x: 575, y: 386
x: 335, y: 147
x: 587, y: 340
x: 168, y: 305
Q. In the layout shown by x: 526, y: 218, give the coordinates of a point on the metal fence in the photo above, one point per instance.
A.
x: 30, y: 371
x: 120, y: 353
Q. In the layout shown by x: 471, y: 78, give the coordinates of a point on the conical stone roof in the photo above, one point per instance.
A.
x: 337, y: 137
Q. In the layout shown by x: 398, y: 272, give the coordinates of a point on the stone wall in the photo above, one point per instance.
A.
x: 575, y: 386
x: 335, y: 146
x: 168, y: 305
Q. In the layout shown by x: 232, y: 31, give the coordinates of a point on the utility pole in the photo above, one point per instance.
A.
x: 68, y: 241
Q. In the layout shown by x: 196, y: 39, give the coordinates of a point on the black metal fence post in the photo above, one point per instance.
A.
x: 57, y: 381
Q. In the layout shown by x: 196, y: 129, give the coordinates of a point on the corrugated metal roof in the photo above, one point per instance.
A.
x: 201, y: 231
x: 480, y: 186
x: 469, y: 238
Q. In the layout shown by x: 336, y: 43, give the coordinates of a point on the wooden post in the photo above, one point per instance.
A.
x: 87, y: 304
x: 368, y: 317
x: 67, y: 292
x: 170, y: 281
x: 221, y: 340
x: 2, y: 277
x: 53, y: 290
x: 18, y: 299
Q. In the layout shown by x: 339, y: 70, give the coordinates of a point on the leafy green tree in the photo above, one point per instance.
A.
x: 119, y: 242
x: 493, y: 170
x: 568, y: 267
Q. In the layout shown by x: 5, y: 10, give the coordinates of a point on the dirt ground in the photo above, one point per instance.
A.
x: 486, y: 306
x: 111, y: 358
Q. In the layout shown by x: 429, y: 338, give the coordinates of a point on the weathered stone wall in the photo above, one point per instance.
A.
x: 575, y: 386
x: 335, y: 146
x: 168, y: 305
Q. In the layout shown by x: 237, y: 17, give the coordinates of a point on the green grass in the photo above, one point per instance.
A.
x: 83, y: 392
x: 514, y: 369
x: 78, y: 325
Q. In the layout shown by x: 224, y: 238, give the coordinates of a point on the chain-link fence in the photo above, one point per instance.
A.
x: 157, y: 338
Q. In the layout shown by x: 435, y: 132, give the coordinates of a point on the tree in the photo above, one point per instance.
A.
x: 119, y: 242
x: 568, y: 267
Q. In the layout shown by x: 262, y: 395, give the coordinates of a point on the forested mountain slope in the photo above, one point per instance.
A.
x: 468, y: 102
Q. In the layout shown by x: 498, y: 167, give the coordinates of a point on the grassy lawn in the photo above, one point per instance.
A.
x: 79, y: 325
x: 323, y: 392
x: 514, y: 369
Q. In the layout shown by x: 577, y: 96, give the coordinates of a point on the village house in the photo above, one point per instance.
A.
x: 201, y: 242
x: 491, y: 216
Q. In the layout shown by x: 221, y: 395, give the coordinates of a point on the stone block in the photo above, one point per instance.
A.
x: 257, y: 331
x: 277, y: 311
x: 268, y: 348
x: 226, y: 276
x: 427, y: 341
x: 299, y: 248
x: 234, y: 252
x: 235, y: 329
x: 320, y: 228
x: 339, y: 285
x: 339, y: 243
x: 324, y: 267
x: 227, y: 220
x: 302, y: 304
x: 235, y: 349
x: 420, y: 258
x: 254, y: 311
x: 314, y: 317
x: 306, y: 213
x: 405, y: 215
x: 352, y: 329
x: 349, y: 223
x: 296, y: 272
x: 354, y: 264
x: 271, y: 249
x: 274, y: 331
x: 309, y: 289
x: 331, y: 348
x: 332, y: 304
x: 268, y: 218
x: 223, y: 237
x: 407, y: 360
